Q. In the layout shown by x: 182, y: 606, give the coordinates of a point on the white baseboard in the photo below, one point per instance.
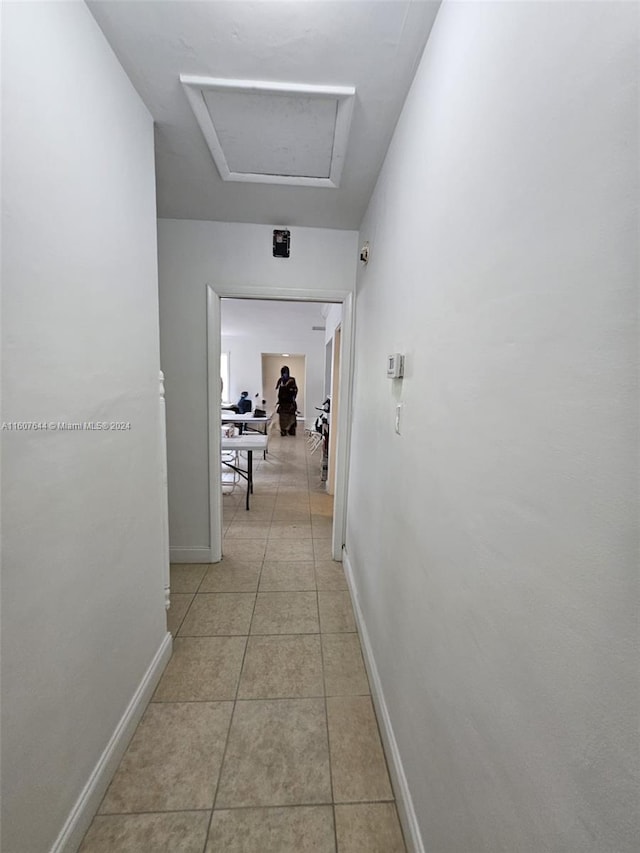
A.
x: 406, y: 811
x: 190, y: 555
x: 89, y: 800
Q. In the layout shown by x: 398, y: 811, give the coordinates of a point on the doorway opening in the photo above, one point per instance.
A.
x: 276, y: 300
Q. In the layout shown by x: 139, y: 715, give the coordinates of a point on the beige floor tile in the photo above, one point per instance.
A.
x: 358, y: 768
x: 276, y: 755
x: 248, y: 529
x: 235, y: 495
x: 287, y: 576
x: 260, y: 512
x: 285, y: 613
x: 174, y: 832
x: 286, y: 530
x: 336, y: 613
x: 287, y: 500
x: 322, y: 549
x: 228, y: 509
x: 259, y: 503
x: 321, y: 526
x: 288, y: 515
x: 321, y: 504
x: 202, y: 669
x: 245, y: 550
x: 344, y: 671
x: 282, y: 667
x: 179, y: 604
x: 369, y: 828
x: 173, y: 761
x: 330, y: 575
x: 231, y: 576
x: 264, y: 495
x: 257, y: 514
x: 231, y: 500
x: 295, y: 497
x: 215, y: 614
x: 186, y: 577
x: 289, y: 549
x: 318, y: 513
x: 293, y: 829
x: 292, y: 500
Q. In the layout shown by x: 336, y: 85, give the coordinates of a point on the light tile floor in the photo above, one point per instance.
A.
x: 261, y: 736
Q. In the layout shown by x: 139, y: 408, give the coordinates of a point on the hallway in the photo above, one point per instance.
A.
x: 261, y: 736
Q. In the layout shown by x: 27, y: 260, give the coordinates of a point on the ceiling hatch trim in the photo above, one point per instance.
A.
x: 306, y: 128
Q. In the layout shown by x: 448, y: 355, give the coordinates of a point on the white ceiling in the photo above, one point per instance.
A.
x: 283, y: 319
x: 372, y: 45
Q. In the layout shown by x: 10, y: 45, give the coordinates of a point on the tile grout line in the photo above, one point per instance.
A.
x: 193, y: 598
x: 326, y: 717
x: 324, y: 683
x: 233, y: 711
x: 305, y: 805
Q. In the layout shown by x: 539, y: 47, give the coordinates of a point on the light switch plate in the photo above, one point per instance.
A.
x: 395, y: 366
x: 398, y: 411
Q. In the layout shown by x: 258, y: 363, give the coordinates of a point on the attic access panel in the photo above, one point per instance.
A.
x: 273, y: 133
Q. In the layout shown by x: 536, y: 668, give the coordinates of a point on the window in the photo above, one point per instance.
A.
x: 224, y: 375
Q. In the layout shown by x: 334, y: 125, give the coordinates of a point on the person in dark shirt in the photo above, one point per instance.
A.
x: 244, y: 403
x: 287, y: 408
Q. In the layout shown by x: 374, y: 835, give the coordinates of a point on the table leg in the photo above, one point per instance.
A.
x: 249, y: 475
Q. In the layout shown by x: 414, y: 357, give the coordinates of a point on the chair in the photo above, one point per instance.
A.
x: 229, y: 476
x: 314, y: 440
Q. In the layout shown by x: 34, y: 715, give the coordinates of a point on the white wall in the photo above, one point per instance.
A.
x: 497, y: 568
x: 332, y: 320
x: 231, y: 256
x: 82, y: 605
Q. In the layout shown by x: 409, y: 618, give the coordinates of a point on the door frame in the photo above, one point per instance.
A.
x: 214, y: 293
x: 336, y: 344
